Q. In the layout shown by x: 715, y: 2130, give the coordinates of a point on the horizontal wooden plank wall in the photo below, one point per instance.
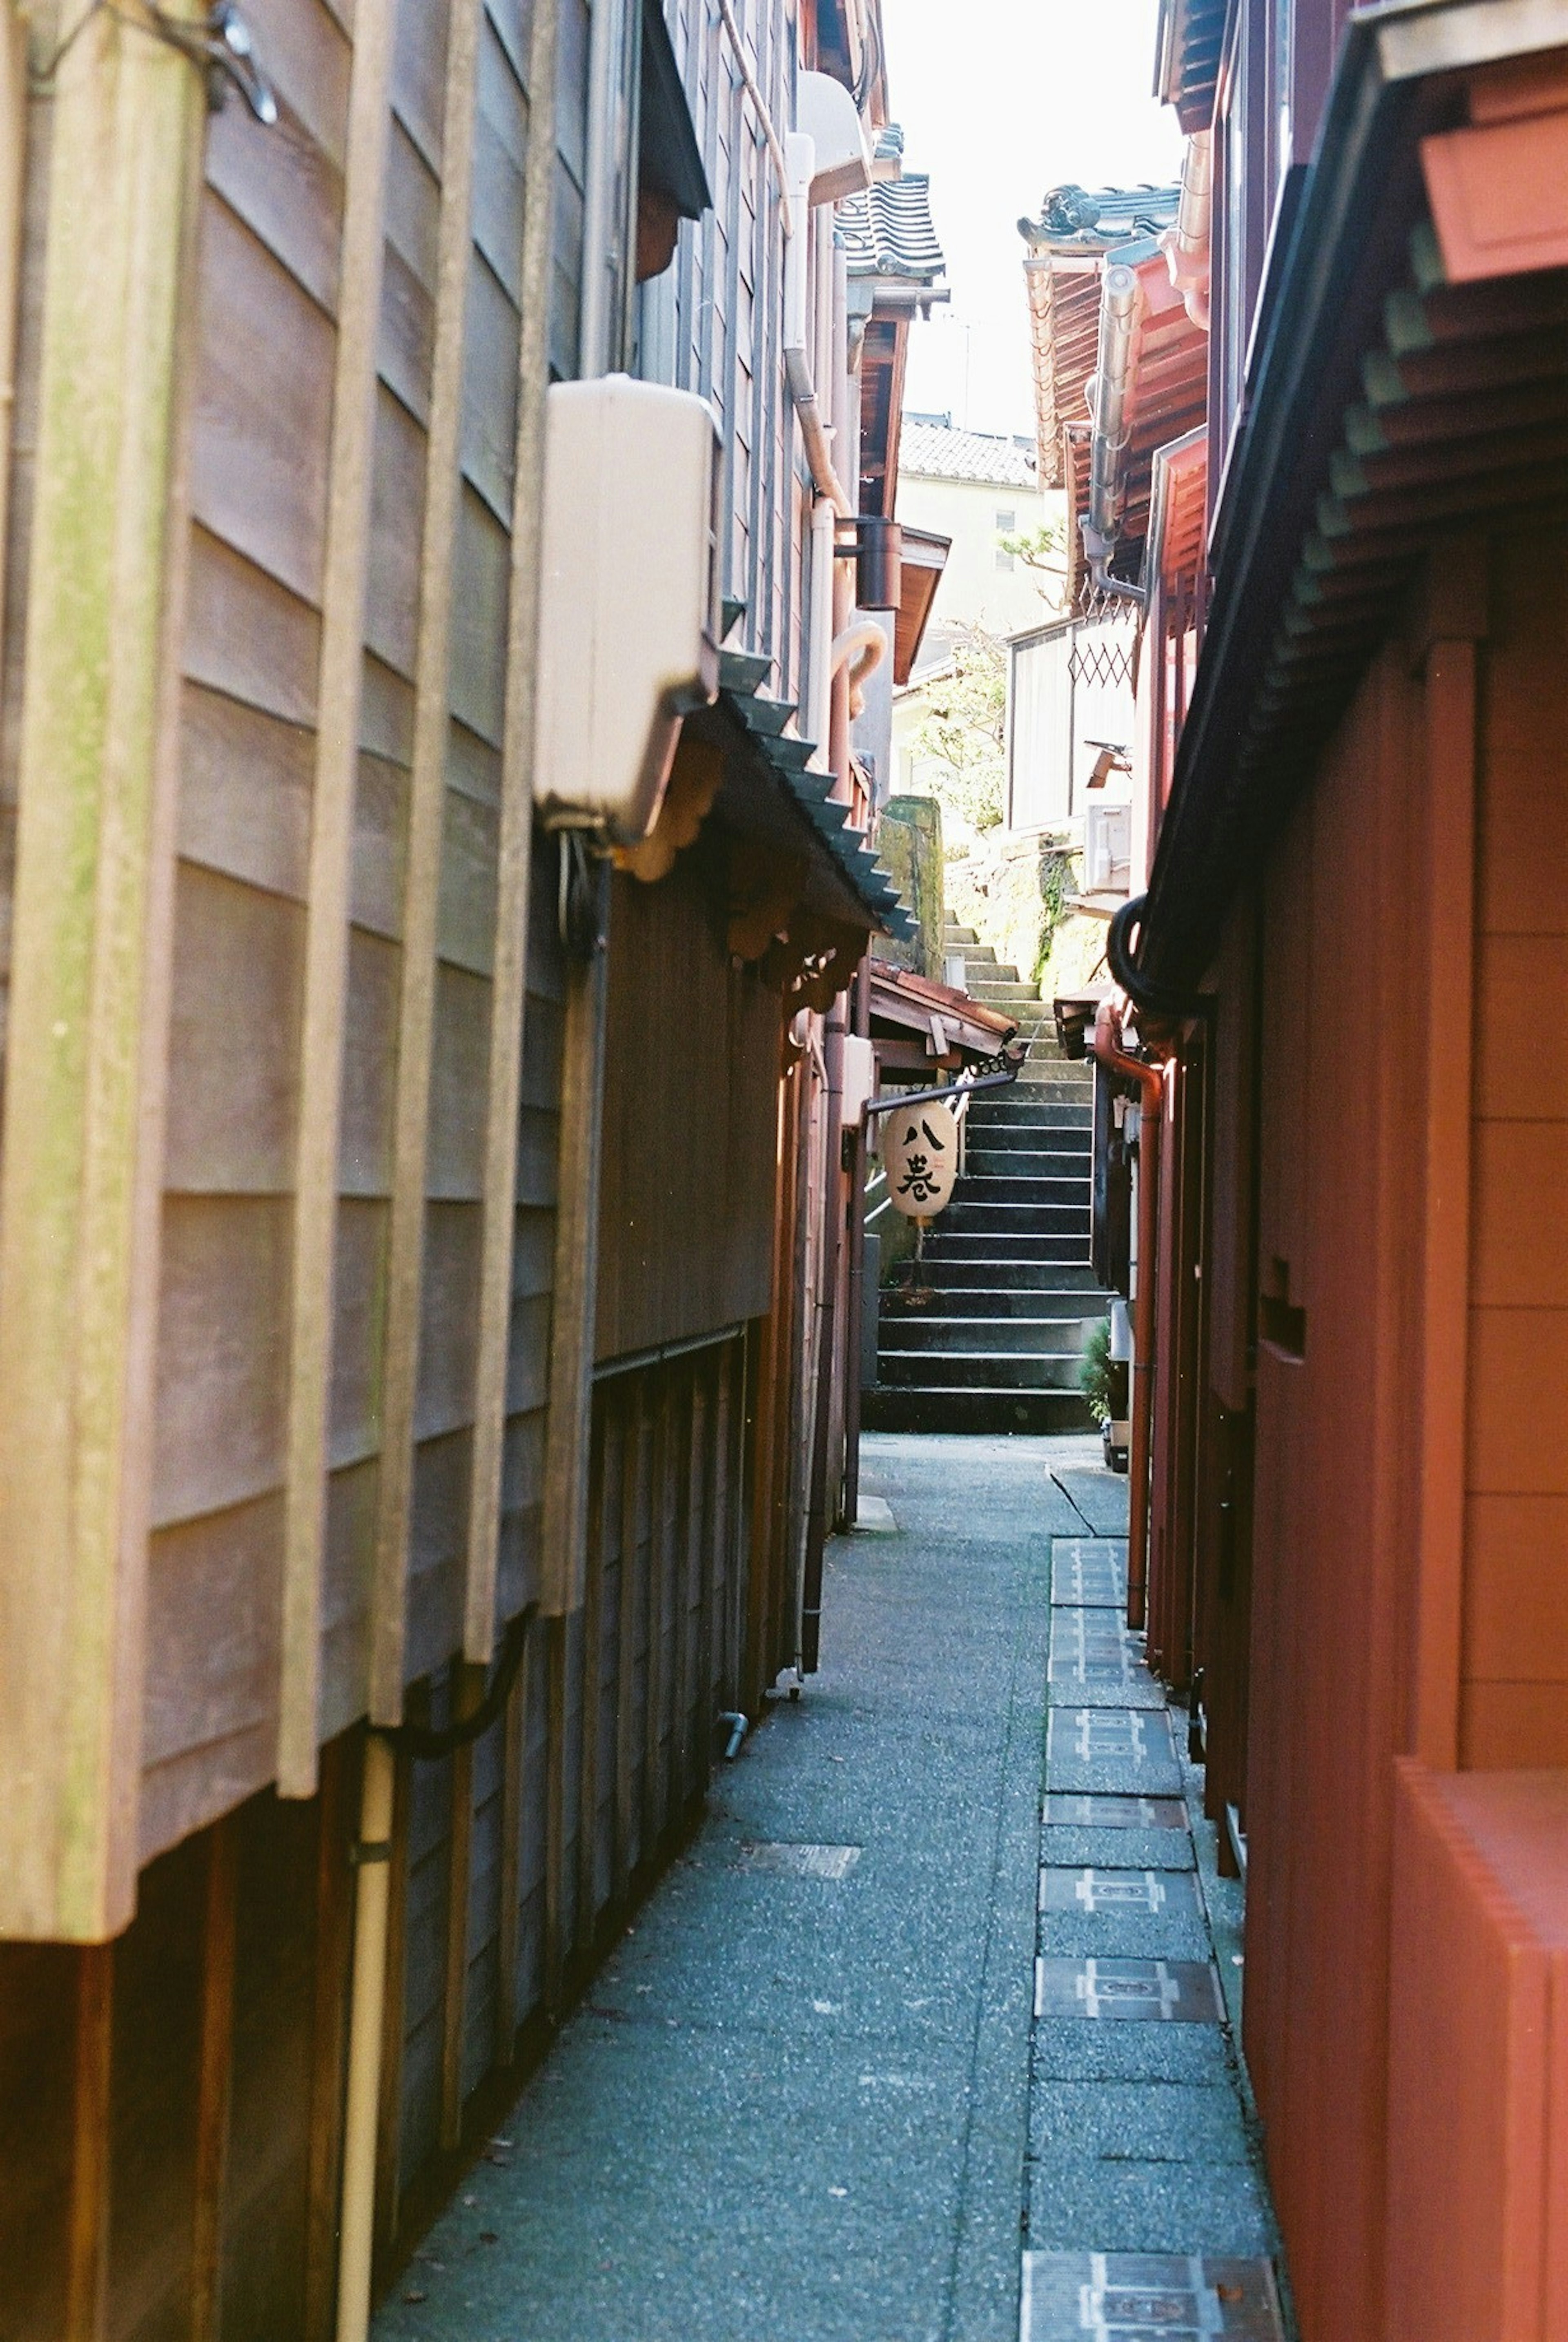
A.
x: 689, y: 1179
x: 269, y: 289
x: 87, y: 723
x: 1515, y: 1672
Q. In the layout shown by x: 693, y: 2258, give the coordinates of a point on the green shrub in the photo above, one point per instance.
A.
x: 1096, y: 1372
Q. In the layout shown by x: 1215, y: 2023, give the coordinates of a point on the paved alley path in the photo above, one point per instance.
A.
x: 863, y: 2063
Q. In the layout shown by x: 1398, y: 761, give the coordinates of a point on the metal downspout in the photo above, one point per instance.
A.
x: 1101, y: 525
x: 816, y: 1523
x: 1150, y: 1084
x: 851, y: 1332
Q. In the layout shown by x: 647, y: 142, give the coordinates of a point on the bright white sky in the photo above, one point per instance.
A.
x: 1000, y: 100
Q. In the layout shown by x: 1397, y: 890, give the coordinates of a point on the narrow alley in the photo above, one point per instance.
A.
x: 934, y: 2010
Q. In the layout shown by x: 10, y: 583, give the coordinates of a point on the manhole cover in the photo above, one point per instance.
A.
x: 1088, y: 1571
x: 803, y: 1861
x: 1169, y: 1992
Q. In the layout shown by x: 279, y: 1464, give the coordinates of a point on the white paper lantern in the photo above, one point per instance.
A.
x: 919, y: 1155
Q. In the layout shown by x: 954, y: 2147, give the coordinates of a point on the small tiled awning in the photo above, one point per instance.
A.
x: 918, y: 1024
x: 797, y: 814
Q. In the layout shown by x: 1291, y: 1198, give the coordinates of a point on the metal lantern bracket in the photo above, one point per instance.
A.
x: 221, y: 47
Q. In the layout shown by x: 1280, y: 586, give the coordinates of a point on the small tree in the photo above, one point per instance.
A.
x: 1043, y: 549
x: 963, y: 731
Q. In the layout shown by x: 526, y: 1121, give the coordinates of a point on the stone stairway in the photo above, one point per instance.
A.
x: 992, y: 1340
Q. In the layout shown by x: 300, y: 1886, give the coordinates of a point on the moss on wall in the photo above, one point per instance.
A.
x: 909, y: 845
x: 1012, y: 890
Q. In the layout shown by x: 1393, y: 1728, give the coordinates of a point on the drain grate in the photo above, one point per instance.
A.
x: 1085, y: 1744
x: 1169, y: 1992
x: 803, y: 1861
x: 1146, y: 1893
x: 1066, y: 1810
x: 1088, y: 1572
x: 1147, y: 2297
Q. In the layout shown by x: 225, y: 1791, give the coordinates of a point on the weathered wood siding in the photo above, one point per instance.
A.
x: 270, y: 231
x: 687, y: 1193
x: 168, y: 2145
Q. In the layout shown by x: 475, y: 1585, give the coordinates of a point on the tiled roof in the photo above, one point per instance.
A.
x: 932, y: 451
x: 770, y: 724
x: 1067, y: 248
x: 1092, y: 220
x: 888, y: 230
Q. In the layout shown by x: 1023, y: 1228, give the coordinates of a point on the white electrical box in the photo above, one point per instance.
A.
x: 859, y: 1079
x: 1107, y: 849
x: 629, y: 615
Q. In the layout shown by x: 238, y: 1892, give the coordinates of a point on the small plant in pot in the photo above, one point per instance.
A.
x: 1103, y: 1380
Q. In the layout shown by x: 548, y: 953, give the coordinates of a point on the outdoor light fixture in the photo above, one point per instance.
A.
x: 1112, y: 758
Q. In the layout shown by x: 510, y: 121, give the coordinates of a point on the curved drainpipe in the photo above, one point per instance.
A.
x: 864, y: 645
x: 1186, y: 245
x: 1150, y: 1081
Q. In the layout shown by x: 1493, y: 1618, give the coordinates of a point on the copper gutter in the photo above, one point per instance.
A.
x: 1150, y: 1081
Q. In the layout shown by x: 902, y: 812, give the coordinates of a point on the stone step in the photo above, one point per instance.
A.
x: 958, y: 1409
x: 1060, y: 1159
x: 911, y: 1331
x: 1003, y: 1254
x: 1033, y: 1105
x: 978, y: 1370
x: 1053, y: 1297
x: 1002, y: 991
x: 1040, y: 1127
x: 1011, y: 1219
x: 1021, y: 1194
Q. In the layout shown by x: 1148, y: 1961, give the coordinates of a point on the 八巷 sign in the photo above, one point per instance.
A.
x: 919, y: 1155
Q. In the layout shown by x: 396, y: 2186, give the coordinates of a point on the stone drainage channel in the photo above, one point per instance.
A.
x: 1146, y: 2214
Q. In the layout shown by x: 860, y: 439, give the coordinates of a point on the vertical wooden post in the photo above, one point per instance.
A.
x: 556, y: 1630
x: 86, y: 2291
x: 688, y: 1565
x: 89, y: 973
x: 327, y: 918
x: 421, y: 871
x: 632, y: 1451
x: 467, y: 1692
x: 514, y: 854
x: 1450, y: 776
x: 599, y: 1498
x: 653, y: 1818
x: 575, y: 1285
x: 214, y: 2084
x: 389, y: 2117
x: 329, y: 2037
x: 12, y: 159
x: 512, y: 1786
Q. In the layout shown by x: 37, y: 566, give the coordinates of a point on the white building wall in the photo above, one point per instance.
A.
x: 982, y: 587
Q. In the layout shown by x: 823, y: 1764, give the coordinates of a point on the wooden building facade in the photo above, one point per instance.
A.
x: 406, y: 1291
x: 1338, y: 996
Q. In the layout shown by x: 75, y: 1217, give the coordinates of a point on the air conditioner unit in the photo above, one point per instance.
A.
x: 1107, y: 849
x: 628, y: 622
x: 826, y: 113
